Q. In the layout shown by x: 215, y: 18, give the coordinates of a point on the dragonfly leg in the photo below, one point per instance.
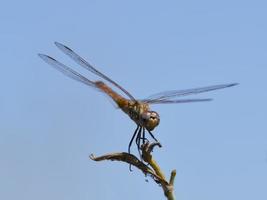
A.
x: 150, y: 133
x: 138, y: 140
x: 130, y: 144
x: 143, y: 136
x: 137, y: 137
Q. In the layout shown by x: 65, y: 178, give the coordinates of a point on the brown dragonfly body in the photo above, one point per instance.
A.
x: 138, y: 110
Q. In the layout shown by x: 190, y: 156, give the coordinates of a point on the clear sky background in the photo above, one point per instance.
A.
x: 49, y: 124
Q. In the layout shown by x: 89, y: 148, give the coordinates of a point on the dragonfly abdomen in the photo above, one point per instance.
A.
x: 121, y: 101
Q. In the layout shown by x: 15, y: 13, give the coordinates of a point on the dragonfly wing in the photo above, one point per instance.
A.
x: 178, y: 93
x: 89, y: 67
x: 164, y: 101
x: 66, y: 70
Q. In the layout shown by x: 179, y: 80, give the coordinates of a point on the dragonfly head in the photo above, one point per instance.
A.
x: 150, y: 119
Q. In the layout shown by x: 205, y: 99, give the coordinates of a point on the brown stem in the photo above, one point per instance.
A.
x: 152, y: 169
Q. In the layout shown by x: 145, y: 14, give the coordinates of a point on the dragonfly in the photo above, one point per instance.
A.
x: 137, y: 109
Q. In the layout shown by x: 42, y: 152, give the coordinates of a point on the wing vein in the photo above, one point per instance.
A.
x: 66, y: 70
x: 82, y: 62
x: 167, y: 96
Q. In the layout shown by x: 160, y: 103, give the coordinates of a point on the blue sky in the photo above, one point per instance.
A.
x: 49, y: 124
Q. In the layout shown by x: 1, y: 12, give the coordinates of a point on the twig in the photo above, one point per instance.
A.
x: 152, y: 169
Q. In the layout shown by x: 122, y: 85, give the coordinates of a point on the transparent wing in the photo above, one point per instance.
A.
x: 167, y: 96
x: 89, y: 67
x: 66, y: 70
x: 177, y: 101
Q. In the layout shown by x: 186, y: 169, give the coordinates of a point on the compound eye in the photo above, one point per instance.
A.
x: 145, y: 116
x: 154, y: 115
